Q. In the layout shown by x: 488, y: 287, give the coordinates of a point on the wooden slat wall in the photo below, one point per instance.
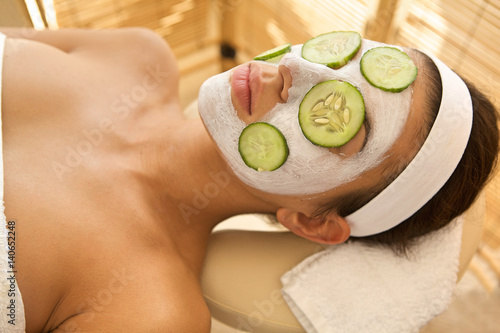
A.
x: 14, y: 13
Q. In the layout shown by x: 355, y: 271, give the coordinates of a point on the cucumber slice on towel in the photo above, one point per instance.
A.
x: 388, y: 68
x: 333, y: 49
x: 263, y: 147
x: 331, y: 113
x: 274, y: 53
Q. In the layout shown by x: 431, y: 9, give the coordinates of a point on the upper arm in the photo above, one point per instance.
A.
x: 111, y: 47
x: 71, y: 40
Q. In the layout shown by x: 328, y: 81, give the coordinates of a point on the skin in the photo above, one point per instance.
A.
x: 103, y: 241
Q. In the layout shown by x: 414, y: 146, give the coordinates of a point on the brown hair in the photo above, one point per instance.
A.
x: 461, y: 189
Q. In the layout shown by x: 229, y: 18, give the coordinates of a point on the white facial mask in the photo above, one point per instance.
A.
x: 309, y: 169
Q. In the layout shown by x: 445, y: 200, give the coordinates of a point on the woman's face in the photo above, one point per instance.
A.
x: 259, y: 91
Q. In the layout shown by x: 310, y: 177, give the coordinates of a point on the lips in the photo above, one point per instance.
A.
x: 240, y: 84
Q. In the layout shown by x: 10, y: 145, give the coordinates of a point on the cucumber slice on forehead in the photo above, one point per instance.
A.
x: 333, y: 49
x: 263, y: 147
x: 388, y: 68
x: 331, y: 113
x: 274, y: 53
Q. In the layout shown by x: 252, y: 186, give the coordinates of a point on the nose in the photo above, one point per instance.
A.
x: 268, y: 85
x: 287, y: 81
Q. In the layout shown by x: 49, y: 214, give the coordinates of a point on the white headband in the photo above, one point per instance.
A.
x: 430, y: 169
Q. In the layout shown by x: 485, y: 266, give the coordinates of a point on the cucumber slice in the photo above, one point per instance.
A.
x: 331, y: 113
x: 388, y: 68
x: 274, y: 53
x: 333, y: 49
x: 263, y: 147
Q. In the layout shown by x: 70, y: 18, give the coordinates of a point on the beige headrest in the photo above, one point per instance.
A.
x: 241, y: 277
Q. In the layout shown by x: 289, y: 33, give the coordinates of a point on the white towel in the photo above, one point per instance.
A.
x: 355, y: 287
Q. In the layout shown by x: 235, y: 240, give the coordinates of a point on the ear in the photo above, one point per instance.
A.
x: 334, y: 229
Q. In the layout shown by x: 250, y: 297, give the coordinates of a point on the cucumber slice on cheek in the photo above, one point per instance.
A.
x: 263, y: 147
x: 333, y: 49
x: 331, y: 113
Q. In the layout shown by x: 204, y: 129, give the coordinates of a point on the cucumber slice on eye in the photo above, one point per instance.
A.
x: 333, y: 49
x: 331, y: 113
x: 388, y: 68
x: 263, y: 147
x: 274, y: 53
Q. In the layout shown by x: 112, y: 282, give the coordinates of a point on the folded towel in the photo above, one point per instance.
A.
x: 356, y: 287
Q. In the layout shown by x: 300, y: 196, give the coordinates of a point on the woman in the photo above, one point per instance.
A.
x: 114, y: 194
